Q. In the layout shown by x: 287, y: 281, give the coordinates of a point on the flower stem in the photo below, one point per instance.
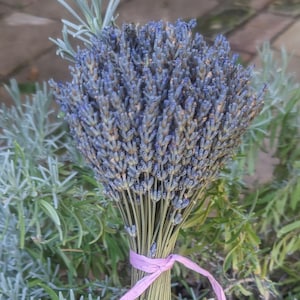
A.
x: 159, y: 289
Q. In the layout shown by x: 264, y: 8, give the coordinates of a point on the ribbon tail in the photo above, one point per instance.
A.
x: 193, y: 266
x: 140, y: 287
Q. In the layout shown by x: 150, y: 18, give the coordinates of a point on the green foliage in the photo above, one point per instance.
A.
x: 278, y: 202
x: 253, y: 230
x: 18, y: 269
x: 90, y: 24
x: 52, y: 210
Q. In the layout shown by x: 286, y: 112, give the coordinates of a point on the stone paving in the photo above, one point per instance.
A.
x: 25, y: 25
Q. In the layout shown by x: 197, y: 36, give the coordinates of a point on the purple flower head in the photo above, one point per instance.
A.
x: 156, y: 111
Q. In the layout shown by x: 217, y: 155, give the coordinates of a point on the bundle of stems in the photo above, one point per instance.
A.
x: 156, y: 112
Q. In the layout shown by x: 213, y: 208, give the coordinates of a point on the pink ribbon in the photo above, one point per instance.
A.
x: 156, y: 266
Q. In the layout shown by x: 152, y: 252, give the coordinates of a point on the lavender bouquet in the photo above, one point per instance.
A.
x: 156, y: 112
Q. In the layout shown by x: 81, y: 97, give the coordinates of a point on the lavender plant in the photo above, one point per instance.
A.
x: 90, y: 24
x: 156, y: 112
x: 51, y: 207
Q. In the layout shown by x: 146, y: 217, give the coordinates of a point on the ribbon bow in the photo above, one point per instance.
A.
x: 156, y: 266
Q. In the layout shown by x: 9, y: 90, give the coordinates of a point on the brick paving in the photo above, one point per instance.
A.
x: 25, y: 25
x: 290, y: 39
x: 23, y: 38
x: 263, y: 27
x: 142, y: 11
x: 260, y: 4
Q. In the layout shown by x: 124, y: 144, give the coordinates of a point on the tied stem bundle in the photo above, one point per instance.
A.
x: 156, y: 112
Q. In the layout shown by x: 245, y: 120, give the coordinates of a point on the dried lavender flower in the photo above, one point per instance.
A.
x: 156, y: 112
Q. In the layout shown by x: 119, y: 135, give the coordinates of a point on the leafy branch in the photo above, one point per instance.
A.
x: 89, y: 25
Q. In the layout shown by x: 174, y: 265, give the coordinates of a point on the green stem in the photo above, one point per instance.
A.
x: 156, y: 226
x: 161, y: 287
